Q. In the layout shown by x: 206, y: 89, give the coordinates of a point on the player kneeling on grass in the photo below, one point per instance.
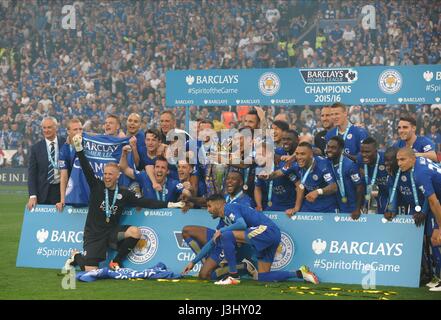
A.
x: 242, y: 224
x: 106, y: 204
x: 196, y: 237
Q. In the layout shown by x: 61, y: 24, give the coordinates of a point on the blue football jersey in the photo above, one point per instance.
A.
x: 171, y: 192
x: 146, y: 160
x: 353, y: 140
x: 427, y: 176
x: 404, y: 202
x: 351, y: 179
x: 421, y: 144
x: 381, y: 180
x: 66, y: 157
x: 319, y: 177
x: 240, y: 198
x: 252, y: 217
x: 283, y: 192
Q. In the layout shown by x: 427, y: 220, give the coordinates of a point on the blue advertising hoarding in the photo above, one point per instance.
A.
x: 335, y: 247
x: 371, y: 85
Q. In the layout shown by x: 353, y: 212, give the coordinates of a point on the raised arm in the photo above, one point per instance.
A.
x: 85, y: 165
x: 151, y: 174
x: 135, y: 152
x: 124, y: 165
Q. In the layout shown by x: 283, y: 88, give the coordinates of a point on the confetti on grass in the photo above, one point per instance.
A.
x: 339, y: 292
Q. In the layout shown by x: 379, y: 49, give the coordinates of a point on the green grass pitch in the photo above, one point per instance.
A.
x: 28, y: 283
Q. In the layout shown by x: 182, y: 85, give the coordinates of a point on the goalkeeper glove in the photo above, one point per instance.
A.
x: 179, y: 204
x: 77, y: 142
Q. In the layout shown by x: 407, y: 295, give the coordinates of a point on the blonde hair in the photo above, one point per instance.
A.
x: 112, y: 164
x: 71, y: 121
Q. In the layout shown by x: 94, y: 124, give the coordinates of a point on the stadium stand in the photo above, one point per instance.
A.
x: 116, y: 58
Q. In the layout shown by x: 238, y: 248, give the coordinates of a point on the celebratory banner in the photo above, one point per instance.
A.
x: 99, y: 150
x: 369, y: 251
x: 420, y: 84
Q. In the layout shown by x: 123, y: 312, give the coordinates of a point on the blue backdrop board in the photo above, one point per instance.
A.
x: 371, y: 85
x: 335, y: 247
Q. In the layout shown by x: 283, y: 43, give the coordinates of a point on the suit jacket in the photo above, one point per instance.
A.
x: 38, y: 170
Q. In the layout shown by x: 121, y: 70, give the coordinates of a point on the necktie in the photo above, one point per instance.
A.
x: 51, y: 169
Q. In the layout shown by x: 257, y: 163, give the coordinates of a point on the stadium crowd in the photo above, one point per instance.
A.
x: 114, y: 62
x: 107, y: 76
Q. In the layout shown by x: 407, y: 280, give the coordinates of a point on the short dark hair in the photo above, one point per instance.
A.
x: 370, y: 140
x: 154, y: 132
x: 339, y: 140
x: 254, y: 112
x: 283, y: 125
x: 206, y: 122
x: 114, y: 117
x: 293, y: 132
x: 170, y: 113
x: 216, y: 197
x: 338, y: 105
x: 391, y: 150
x: 305, y: 144
x: 411, y: 120
x: 236, y: 172
x: 161, y: 158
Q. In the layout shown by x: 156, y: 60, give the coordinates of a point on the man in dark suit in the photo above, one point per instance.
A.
x: 43, y: 172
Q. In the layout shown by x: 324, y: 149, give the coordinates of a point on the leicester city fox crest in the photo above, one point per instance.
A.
x: 285, y: 252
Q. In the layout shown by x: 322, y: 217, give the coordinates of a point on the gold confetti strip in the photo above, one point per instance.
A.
x: 331, y: 294
x: 168, y: 280
x: 340, y: 292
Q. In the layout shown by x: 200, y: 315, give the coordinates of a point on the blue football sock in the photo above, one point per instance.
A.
x: 193, y: 244
x: 229, y: 244
x: 276, y: 276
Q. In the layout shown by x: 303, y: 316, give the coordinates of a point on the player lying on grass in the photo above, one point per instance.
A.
x: 106, y: 204
x: 242, y: 224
